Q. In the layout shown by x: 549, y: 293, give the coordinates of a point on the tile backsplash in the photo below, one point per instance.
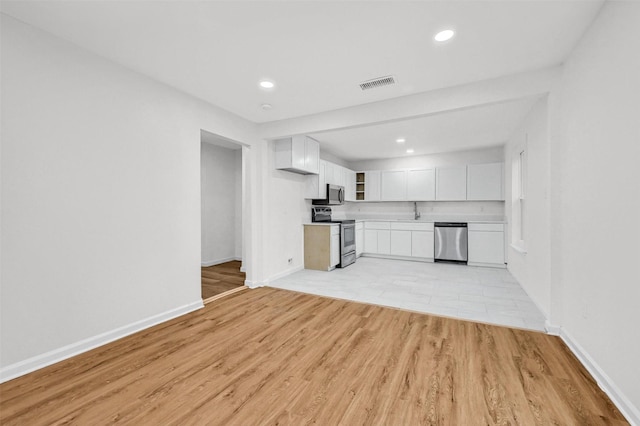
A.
x: 439, y: 210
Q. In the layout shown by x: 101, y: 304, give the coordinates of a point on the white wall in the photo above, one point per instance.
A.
x: 532, y: 270
x: 287, y: 208
x: 596, y: 142
x: 583, y: 148
x: 476, y: 156
x: 238, y: 205
x: 434, y: 210
x: 100, y: 198
x: 221, y: 217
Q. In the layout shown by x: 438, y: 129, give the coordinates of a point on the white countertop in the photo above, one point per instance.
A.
x: 444, y: 219
x: 464, y: 218
x: 431, y: 218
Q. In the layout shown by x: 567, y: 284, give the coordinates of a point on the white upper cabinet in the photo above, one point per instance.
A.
x: 330, y: 173
x: 485, y: 181
x: 393, y: 185
x: 350, y: 187
x: 316, y: 185
x: 336, y: 175
x: 421, y: 185
x: 311, y: 155
x: 342, y: 176
x: 299, y: 154
x: 372, y: 186
x: 451, y: 183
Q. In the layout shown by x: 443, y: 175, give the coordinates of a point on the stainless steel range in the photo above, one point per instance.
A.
x: 347, y: 234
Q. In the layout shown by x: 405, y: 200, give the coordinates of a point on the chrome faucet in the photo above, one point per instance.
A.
x: 416, y: 213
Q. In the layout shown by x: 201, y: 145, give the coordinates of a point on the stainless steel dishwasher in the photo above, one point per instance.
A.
x: 451, y: 242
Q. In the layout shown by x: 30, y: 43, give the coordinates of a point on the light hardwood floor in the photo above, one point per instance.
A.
x: 270, y: 356
x: 221, y: 278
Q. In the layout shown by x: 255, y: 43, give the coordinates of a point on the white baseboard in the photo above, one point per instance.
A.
x: 43, y: 360
x: 256, y: 284
x: 284, y: 273
x: 551, y: 329
x: 628, y: 410
x: 488, y: 265
x: 219, y: 261
x: 394, y: 257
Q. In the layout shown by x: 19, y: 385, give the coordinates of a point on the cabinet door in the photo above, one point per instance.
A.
x: 486, y: 247
x: 393, y: 185
x: 328, y: 173
x: 335, y: 249
x: 422, y: 244
x: 359, y: 242
x: 451, y: 183
x: 421, y: 185
x: 312, y: 155
x: 316, y: 185
x: 384, y: 242
x: 340, y: 173
x: 298, y: 147
x: 401, y: 243
x: 485, y: 181
x: 370, y: 241
x: 372, y: 186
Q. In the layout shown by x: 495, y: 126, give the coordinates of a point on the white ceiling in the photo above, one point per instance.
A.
x: 472, y: 128
x: 317, y: 52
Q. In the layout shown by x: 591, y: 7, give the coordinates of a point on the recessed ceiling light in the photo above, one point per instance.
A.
x: 266, y: 84
x: 266, y: 107
x: 444, y: 35
x: 400, y: 140
x: 410, y: 151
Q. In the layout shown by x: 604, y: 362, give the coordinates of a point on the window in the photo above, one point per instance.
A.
x: 518, y: 201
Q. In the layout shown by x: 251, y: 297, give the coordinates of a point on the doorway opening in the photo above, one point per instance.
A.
x: 222, y: 198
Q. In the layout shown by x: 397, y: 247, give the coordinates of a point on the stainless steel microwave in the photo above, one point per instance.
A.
x: 335, y: 196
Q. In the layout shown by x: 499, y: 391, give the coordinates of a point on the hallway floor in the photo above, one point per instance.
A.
x: 218, y: 279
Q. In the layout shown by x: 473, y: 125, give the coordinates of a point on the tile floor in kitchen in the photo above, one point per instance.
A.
x: 487, y: 295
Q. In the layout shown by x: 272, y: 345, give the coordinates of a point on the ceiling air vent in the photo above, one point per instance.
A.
x: 377, y: 82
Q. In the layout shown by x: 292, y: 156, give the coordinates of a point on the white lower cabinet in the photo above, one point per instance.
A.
x: 377, y: 238
x: 370, y: 241
x: 401, y: 239
x: 422, y: 244
x: 377, y: 241
x: 414, y: 240
x: 384, y: 242
x: 400, y: 243
x: 486, y: 244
